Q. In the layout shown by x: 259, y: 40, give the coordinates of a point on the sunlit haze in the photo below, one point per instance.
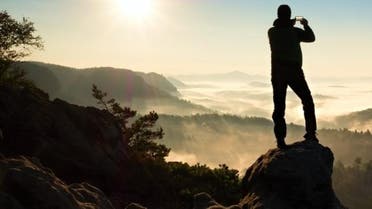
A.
x: 195, y: 36
x: 135, y: 9
x: 187, y: 38
x: 173, y: 104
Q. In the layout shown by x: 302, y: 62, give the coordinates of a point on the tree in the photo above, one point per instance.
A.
x: 139, y: 135
x: 17, y: 38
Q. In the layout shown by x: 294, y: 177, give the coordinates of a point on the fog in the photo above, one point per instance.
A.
x: 236, y: 141
x: 253, y: 97
x: 240, y: 137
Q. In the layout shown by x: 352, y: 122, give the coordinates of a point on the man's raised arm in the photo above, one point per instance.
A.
x: 307, y: 35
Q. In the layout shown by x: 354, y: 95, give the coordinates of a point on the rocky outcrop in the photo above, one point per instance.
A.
x: 205, y: 201
x: 25, y: 183
x: 78, y: 143
x: 295, y: 178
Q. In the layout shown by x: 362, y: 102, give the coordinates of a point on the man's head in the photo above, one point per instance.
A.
x: 284, y: 12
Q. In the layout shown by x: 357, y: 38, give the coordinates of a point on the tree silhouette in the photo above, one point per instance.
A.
x: 139, y: 135
x: 17, y: 38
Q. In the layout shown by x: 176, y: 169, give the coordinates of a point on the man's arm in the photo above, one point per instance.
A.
x: 306, y: 35
x: 269, y: 34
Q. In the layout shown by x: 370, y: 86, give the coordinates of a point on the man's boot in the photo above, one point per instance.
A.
x: 280, y: 143
x: 311, y: 137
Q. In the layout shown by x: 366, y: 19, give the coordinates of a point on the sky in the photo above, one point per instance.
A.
x: 195, y: 36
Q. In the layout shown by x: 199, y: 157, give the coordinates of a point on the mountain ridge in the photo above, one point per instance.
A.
x: 141, y: 91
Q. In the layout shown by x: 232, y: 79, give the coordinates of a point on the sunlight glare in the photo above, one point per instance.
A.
x: 136, y: 9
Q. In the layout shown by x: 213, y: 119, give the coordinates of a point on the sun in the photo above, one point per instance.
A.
x: 136, y: 9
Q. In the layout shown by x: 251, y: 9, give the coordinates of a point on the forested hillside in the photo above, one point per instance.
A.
x: 141, y: 91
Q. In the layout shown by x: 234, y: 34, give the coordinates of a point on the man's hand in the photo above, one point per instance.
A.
x: 304, y: 22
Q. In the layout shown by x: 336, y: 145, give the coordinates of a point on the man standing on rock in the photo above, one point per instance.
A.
x: 286, y: 70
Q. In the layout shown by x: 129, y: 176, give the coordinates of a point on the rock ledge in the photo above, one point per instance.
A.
x: 295, y: 178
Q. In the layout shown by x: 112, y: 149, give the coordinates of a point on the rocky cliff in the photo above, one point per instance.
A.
x: 77, y: 143
x: 25, y: 183
x: 295, y: 178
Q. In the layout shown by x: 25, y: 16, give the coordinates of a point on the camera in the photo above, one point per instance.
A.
x: 299, y: 18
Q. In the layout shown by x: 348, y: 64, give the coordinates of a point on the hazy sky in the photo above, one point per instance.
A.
x: 196, y: 36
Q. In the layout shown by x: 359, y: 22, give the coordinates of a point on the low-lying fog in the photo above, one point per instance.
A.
x: 253, y: 97
x: 239, y: 141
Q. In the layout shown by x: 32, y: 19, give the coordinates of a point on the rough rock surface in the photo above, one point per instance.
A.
x: 295, y: 178
x: 135, y: 206
x: 205, y: 201
x: 25, y: 183
x: 77, y: 143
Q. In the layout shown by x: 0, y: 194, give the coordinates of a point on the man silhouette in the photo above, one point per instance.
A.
x: 286, y: 70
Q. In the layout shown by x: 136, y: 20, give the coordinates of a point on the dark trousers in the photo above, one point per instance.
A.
x: 282, y: 76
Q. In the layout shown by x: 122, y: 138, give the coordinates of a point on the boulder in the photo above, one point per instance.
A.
x: 298, y: 177
x: 25, y: 183
x: 205, y: 201
x: 77, y: 143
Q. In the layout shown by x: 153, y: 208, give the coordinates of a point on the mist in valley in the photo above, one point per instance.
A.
x: 252, y: 96
x: 241, y: 129
x: 238, y: 141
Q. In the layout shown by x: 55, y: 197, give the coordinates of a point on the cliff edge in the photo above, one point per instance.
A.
x: 299, y: 177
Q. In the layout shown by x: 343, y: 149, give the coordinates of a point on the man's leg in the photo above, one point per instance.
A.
x: 300, y: 87
x: 279, y: 95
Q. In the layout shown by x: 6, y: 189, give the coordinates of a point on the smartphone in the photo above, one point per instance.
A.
x: 299, y: 18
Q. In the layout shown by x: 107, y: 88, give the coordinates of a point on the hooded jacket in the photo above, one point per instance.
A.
x: 285, y: 41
